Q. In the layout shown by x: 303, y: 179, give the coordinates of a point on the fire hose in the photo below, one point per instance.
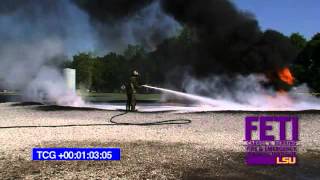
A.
x: 164, y: 122
x: 112, y: 123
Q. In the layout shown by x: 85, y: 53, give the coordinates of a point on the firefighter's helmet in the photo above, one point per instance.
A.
x: 135, y: 73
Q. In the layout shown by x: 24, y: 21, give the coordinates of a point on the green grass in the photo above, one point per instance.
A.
x: 103, y: 97
x: 8, y: 93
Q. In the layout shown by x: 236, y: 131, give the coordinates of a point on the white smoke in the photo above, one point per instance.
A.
x: 248, y: 93
x: 27, y: 68
x: 21, y: 61
x: 148, y: 27
x: 35, y: 36
x: 49, y: 86
x: 34, y: 41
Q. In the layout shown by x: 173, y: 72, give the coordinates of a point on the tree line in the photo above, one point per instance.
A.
x: 107, y: 73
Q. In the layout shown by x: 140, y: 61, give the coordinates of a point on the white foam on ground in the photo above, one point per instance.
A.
x: 188, y: 109
x: 279, y: 102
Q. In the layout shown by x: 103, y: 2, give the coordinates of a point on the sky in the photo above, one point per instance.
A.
x: 286, y: 16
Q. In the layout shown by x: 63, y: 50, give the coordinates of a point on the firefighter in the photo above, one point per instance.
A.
x: 131, y: 88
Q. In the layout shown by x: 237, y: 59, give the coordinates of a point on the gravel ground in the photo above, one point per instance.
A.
x: 210, y: 147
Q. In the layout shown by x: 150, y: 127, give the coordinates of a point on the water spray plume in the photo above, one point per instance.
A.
x: 201, y: 102
x: 288, y: 101
x: 286, y: 76
x: 181, y: 94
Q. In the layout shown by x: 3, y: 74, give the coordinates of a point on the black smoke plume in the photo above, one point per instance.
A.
x: 225, y: 39
x: 228, y: 40
x: 122, y: 22
x: 112, y: 10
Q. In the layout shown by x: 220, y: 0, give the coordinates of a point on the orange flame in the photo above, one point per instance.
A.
x: 286, y: 76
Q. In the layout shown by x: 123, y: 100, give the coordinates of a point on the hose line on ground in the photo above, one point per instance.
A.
x: 164, y: 122
x: 113, y: 123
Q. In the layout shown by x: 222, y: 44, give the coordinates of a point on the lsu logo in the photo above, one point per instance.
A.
x: 286, y: 160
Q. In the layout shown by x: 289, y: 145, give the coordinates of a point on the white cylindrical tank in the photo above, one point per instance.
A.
x: 70, y: 77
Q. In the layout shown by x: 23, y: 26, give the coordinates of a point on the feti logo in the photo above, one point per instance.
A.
x: 271, y: 140
x: 264, y: 128
x: 286, y: 160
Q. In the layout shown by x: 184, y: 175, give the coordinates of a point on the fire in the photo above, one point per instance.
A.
x: 286, y: 76
x: 281, y: 98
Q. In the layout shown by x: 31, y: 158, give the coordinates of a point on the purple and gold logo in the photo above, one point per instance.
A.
x: 271, y: 140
